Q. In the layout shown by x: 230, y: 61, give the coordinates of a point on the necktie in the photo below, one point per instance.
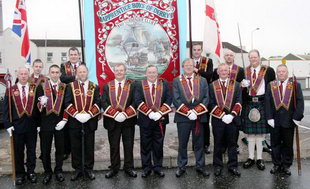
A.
x: 281, y: 89
x: 253, y: 93
x: 197, y: 64
x: 153, y: 91
x: 55, y: 89
x: 75, y: 67
x: 229, y: 72
x: 119, y: 91
x: 190, y: 83
x: 224, y: 89
x: 24, y: 98
x: 83, y: 91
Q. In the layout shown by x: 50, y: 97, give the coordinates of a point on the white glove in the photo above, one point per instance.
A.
x: 79, y: 117
x: 296, y: 122
x: 192, y: 116
x: 245, y: 83
x: 120, y: 117
x: 229, y: 118
x: 157, y: 116
x: 10, y: 130
x: 85, y: 118
x: 60, y: 125
x: 38, y: 129
x: 271, y: 122
x: 225, y: 119
x: 151, y: 115
x: 43, y: 100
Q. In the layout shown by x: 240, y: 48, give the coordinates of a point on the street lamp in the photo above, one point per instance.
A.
x: 252, y: 36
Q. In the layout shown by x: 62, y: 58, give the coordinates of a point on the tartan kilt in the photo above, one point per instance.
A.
x: 249, y: 127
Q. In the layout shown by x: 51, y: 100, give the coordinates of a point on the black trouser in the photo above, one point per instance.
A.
x: 127, y: 133
x: 207, y: 132
x: 152, y: 141
x: 76, y: 148
x: 225, y: 135
x: 20, y: 141
x: 282, y: 140
x: 46, y: 146
x: 184, y: 131
x: 67, y: 141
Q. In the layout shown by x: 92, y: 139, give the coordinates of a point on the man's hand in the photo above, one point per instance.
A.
x: 192, y: 116
x: 120, y: 117
x: 151, y: 115
x: 245, y: 83
x: 43, y: 100
x: 157, y: 116
x: 10, y: 130
x: 60, y: 125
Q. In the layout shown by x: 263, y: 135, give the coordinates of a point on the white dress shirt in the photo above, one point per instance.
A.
x: 85, y: 85
x: 52, y: 83
x: 20, y: 88
x: 117, y: 85
x: 261, y: 88
x: 151, y: 85
x: 226, y: 81
x: 284, y: 86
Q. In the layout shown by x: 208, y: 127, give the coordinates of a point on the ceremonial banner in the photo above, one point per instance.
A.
x: 137, y: 33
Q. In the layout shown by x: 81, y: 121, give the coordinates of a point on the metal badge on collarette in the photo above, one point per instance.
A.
x: 254, y: 115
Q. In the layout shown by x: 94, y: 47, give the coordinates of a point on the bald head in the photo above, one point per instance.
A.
x: 229, y: 56
x: 82, y: 72
x: 23, y: 75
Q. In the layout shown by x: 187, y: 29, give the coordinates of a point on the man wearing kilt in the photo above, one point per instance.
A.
x: 225, y: 106
x: 154, y: 99
x: 53, y: 119
x: 190, y: 98
x: 204, y: 68
x: 284, y: 110
x: 257, y: 77
x: 120, y: 118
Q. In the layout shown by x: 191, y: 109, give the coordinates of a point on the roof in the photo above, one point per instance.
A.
x: 292, y: 57
x: 57, y: 43
x: 305, y: 57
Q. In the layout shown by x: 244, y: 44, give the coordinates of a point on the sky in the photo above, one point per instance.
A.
x: 284, y: 24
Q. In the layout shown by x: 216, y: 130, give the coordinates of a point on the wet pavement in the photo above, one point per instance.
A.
x: 250, y: 178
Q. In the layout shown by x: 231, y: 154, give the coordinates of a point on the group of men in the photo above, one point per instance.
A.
x: 66, y: 106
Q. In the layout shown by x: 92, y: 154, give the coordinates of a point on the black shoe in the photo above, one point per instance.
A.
x: 159, y: 173
x: 111, y: 174
x: 276, y: 169
x: 249, y: 163
x: 146, y: 173
x: 131, y: 173
x: 260, y: 164
x: 234, y: 172
x: 207, y: 150
x: 19, y: 180
x: 47, y: 178
x: 76, y: 175
x: 203, y: 172
x: 286, y: 171
x: 66, y: 156
x: 179, y: 172
x: 218, y: 171
x: 59, y: 177
x: 32, y: 177
x: 90, y: 174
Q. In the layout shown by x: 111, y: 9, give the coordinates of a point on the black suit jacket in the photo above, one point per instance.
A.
x: 64, y: 77
x: 240, y: 75
x: 144, y: 120
x: 209, y: 72
x: 25, y: 123
x: 282, y: 117
x: 91, y: 124
x: 49, y: 122
x: 109, y: 123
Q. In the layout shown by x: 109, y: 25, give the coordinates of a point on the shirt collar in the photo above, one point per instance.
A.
x: 284, y: 82
x: 52, y: 82
x: 20, y: 85
x: 150, y: 83
x: 257, y: 68
x: 122, y: 82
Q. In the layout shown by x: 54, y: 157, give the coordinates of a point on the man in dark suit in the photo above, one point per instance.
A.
x: 37, y: 77
x: 204, y: 68
x: 257, y: 77
x: 53, y: 119
x: 190, y: 98
x: 225, y: 106
x: 120, y: 119
x: 23, y: 126
x: 68, y: 75
x: 82, y: 102
x: 282, y: 116
x: 153, y: 98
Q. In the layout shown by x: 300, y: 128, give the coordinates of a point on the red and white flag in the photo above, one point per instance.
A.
x: 212, y: 41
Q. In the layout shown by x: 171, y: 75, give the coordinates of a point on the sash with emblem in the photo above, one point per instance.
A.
x: 22, y: 108
x: 278, y: 99
x: 37, y: 81
x: 234, y: 72
x: 82, y: 101
x: 68, y: 69
x: 53, y: 105
x: 203, y: 64
x: 119, y: 104
x: 254, y: 85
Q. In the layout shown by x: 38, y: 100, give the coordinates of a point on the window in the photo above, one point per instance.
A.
x: 49, y: 57
x: 63, y: 57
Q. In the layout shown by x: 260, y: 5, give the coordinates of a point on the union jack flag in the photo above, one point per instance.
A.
x: 20, y: 27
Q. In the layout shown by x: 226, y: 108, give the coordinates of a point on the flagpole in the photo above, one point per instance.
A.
x: 241, y: 46
x: 190, y: 27
x: 81, y: 30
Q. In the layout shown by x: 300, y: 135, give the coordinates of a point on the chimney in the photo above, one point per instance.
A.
x: 1, y: 18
